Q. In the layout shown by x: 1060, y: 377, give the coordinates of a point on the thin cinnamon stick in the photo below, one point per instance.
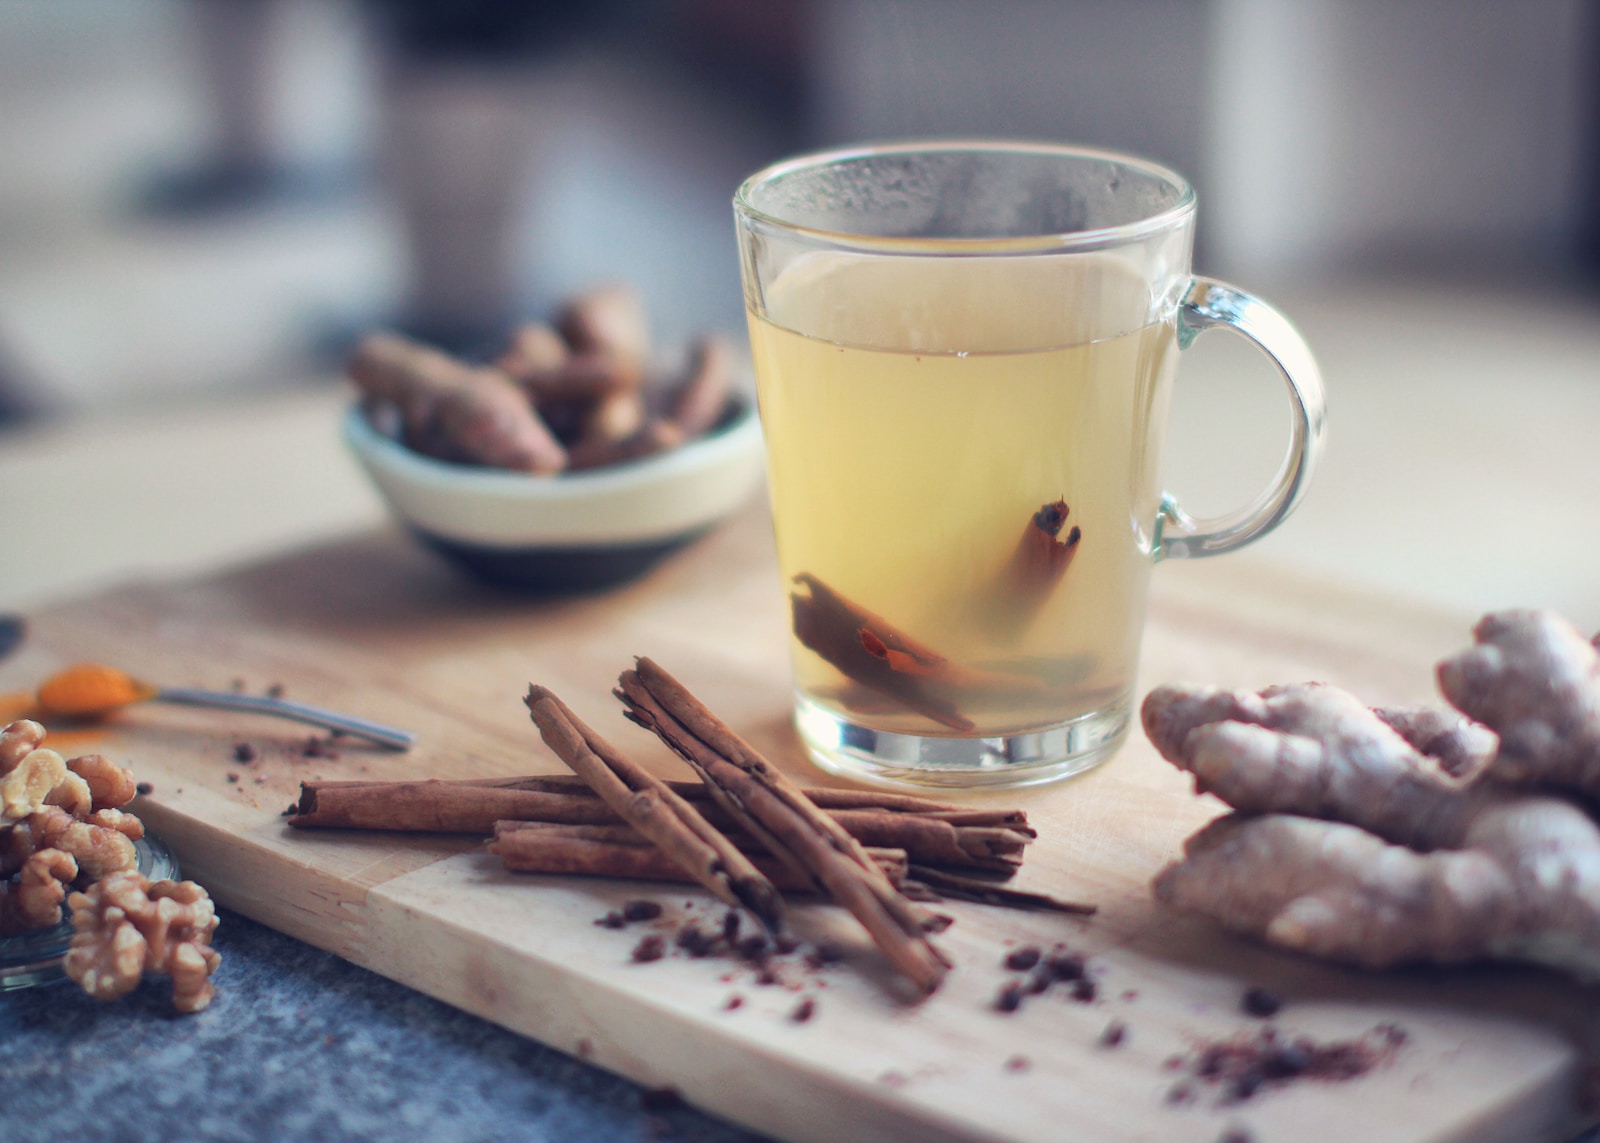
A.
x: 933, y: 842
x: 435, y: 806
x: 619, y: 851
x: 949, y: 884
x: 471, y: 805
x: 646, y: 803
x: 826, y: 797
x: 773, y: 809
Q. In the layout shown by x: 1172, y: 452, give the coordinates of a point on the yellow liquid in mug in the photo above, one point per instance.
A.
x: 918, y: 413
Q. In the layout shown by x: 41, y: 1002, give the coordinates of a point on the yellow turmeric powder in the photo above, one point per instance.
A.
x: 89, y: 689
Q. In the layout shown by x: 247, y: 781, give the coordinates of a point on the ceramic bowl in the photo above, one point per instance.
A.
x: 571, y: 531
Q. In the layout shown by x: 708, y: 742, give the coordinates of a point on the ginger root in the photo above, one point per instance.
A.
x: 1535, y: 681
x: 127, y: 926
x: 1399, y: 836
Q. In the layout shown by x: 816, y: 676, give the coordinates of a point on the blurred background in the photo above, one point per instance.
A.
x: 202, y: 201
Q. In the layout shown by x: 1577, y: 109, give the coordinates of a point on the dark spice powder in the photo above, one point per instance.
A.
x: 1260, y: 1002
x: 652, y: 947
x: 1020, y: 960
x: 640, y: 910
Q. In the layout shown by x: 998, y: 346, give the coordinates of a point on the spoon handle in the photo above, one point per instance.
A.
x: 386, y: 736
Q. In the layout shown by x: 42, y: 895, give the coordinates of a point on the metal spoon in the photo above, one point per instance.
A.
x: 90, y: 689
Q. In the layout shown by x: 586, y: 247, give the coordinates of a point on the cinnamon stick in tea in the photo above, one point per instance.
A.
x: 1038, y: 562
x: 866, y: 647
x: 619, y: 851
x: 776, y: 812
x: 663, y: 817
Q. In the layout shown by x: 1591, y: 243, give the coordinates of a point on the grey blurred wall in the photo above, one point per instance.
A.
x: 1323, y: 135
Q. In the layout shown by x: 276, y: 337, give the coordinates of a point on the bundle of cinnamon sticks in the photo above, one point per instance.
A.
x: 744, y: 831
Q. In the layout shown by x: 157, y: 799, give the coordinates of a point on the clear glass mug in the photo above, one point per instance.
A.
x: 964, y: 357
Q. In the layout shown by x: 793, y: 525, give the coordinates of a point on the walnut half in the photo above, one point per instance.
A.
x: 127, y: 925
x: 33, y: 901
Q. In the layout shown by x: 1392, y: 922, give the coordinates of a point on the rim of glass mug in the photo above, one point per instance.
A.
x: 1170, y: 216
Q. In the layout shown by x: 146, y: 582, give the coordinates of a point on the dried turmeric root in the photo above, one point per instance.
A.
x: 453, y: 411
x: 1401, y: 836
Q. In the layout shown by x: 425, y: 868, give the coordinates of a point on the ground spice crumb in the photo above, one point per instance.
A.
x: 315, y: 747
x: 660, y: 1098
x: 803, y: 1011
x: 1010, y: 998
x: 612, y: 920
x: 754, y: 949
x: 232, y: 777
x: 1236, y: 1135
x: 237, y: 686
x: 1084, y: 990
x: 653, y: 947
x: 1115, y: 1034
x: 1244, y: 1066
x: 1067, y: 966
x: 1040, y: 980
x: 734, y: 1001
x: 276, y: 690
x: 824, y: 955
x: 1018, y: 1064
x: 640, y: 910
x: 244, y: 752
x: 144, y: 789
x: 1020, y: 960
x: 1260, y: 1002
x: 1130, y: 994
x: 1180, y: 1093
x: 766, y: 976
x: 892, y: 1079
x: 1245, y: 1086
x: 693, y: 941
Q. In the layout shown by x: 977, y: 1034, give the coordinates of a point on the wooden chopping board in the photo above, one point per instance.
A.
x: 376, y: 627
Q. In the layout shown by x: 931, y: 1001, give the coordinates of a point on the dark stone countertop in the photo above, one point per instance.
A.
x: 302, y: 1045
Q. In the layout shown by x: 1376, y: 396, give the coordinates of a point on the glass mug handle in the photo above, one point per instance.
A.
x: 1211, y: 303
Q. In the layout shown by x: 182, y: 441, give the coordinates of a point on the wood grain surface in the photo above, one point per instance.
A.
x: 375, y: 627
